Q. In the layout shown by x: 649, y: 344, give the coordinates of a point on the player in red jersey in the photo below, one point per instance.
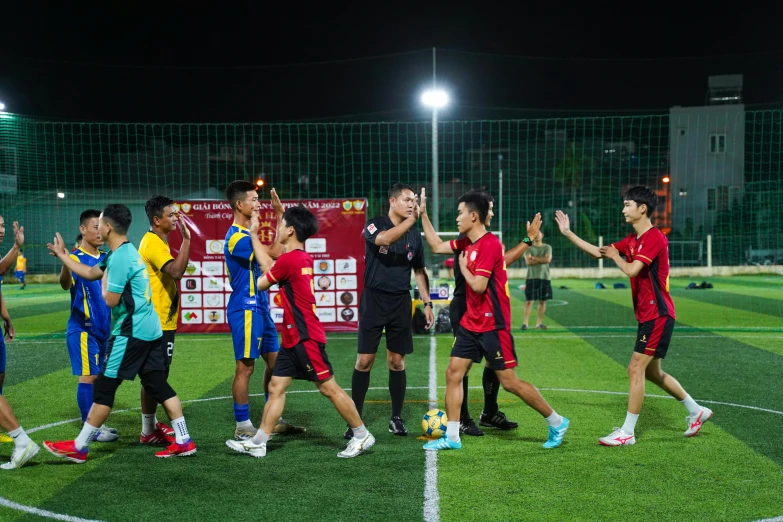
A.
x: 304, y: 342
x: 485, y: 330
x: 646, y: 262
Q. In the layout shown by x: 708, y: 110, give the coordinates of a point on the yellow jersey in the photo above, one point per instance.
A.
x: 156, y: 254
x: 21, y: 263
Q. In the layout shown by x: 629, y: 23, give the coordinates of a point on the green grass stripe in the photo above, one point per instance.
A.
x: 769, y: 341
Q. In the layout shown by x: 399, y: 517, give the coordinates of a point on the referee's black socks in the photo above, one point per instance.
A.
x: 398, y: 381
x: 360, y: 383
x: 464, y: 414
x: 491, y: 385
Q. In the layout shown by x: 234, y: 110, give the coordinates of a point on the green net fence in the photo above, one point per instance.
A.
x: 723, y: 164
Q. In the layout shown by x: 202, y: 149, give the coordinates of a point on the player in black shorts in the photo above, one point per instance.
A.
x: 393, y: 246
x: 491, y: 416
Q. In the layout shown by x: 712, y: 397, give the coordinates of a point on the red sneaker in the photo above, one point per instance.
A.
x: 178, y: 450
x: 157, y: 437
x: 165, y: 428
x: 66, y: 449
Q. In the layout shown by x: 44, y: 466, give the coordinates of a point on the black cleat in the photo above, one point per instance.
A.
x: 348, y: 435
x: 497, y: 420
x: 397, y: 426
x: 468, y: 427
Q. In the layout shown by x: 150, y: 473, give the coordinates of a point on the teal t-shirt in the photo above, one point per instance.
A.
x: 135, y: 315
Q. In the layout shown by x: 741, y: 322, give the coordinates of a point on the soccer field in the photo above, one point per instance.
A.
x: 727, y: 351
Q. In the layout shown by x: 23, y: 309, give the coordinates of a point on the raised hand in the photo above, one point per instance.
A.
x: 57, y: 246
x: 563, y: 222
x: 277, y: 205
x: 183, y: 228
x: 18, y: 234
x: 423, y: 201
x: 534, y: 226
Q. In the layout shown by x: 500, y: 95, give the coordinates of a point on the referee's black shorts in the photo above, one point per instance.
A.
x: 379, y: 310
x: 457, y: 308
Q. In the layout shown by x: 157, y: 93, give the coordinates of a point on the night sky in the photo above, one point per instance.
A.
x: 261, y: 63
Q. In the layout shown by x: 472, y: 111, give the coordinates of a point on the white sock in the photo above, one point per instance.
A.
x: 630, y: 422
x: 452, y: 431
x: 261, y: 437
x: 85, y: 436
x: 21, y: 440
x: 690, y: 405
x: 554, y: 420
x: 180, y: 430
x: 360, y: 432
x: 148, y: 422
x: 245, y: 424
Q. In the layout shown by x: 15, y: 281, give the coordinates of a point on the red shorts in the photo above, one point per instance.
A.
x: 306, y: 361
x: 653, y: 337
x: 496, y: 345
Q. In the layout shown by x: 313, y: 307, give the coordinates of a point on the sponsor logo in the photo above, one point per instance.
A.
x: 358, y: 205
x: 384, y: 250
x: 346, y: 314
x: 347, y: 205
x: 185, y: 207
x: 410, y: 256
x: 372, y: 228
x: 473, y: 255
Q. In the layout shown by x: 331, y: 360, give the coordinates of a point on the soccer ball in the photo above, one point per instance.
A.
x: 433, y: 425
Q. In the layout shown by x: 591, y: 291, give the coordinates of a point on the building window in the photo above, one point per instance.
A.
x: 711, y: 199
x: 718, y: 198
x: 717, y: 143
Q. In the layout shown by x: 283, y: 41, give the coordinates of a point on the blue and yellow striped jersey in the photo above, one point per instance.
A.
x: 89, y: 312
x: 243, y: 271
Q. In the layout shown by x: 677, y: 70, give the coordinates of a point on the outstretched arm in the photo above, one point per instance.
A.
x: 565, y: 228
x: 437, y: 245
x: 10, y: 258
x: 532, y: 231
x: 57, y: 248
x: 631, y: 269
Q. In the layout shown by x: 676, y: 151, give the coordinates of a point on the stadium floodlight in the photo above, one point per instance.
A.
x: 435, y: 99
x: 666, y: 179
x: 61, y: 195
x: 2, y: 106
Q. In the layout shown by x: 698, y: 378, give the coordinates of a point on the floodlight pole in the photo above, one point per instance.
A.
x: 435, y: 188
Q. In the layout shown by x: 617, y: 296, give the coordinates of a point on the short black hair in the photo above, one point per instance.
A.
x: 236, y: 190
x: 482, y: 191
x: 476, y: 202
x: 397, y: 189
x: 79, y: 238
x: 88, y: 215
x: 119, y: 216
x: 155, y: 205
x: 642, y: 195
x: 304, y: 222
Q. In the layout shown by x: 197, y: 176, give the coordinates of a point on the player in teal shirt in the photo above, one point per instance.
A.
x: 135, y: 347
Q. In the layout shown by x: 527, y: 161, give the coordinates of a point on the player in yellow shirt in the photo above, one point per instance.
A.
x: 21, y: 269
x: 164, y: 271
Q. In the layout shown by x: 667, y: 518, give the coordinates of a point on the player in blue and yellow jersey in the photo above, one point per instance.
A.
x: 164, y: 271
x: 89, y: 325
x: 252, y: 329
x: 135, y: 346
x: 24, y: 448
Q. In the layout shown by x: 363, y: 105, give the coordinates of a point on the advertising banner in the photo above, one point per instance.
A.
x: 337, y: 251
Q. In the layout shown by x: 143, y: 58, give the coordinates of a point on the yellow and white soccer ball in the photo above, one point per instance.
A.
x: 433, y: 425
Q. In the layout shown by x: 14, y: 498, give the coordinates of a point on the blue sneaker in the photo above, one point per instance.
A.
x: 556, y: 434
x: 443, y: 443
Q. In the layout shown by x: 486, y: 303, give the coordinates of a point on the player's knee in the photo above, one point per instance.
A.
x: 244, y: 369
x: 104, y: 390
x: 157, y: 386
x: 363, y: 363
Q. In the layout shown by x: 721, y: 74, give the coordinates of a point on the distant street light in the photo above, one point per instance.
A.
x: 435, y: 99
x: 61, y: 195
x: 2, y: 106
x: 666, y: 179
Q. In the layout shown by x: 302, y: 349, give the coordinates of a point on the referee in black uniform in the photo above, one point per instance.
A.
x: 491, y: 416
x: 392, y: 247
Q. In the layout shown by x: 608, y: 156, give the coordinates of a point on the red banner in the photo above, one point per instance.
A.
x: 337, y: 251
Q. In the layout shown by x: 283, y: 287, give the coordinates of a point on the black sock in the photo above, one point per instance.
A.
x: 491, y: 388
x: 360, y: 382
x: 463, y: 412
x: 398, y: 381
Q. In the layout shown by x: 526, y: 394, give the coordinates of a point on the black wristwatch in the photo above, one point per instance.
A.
x: 527, y: 241
x: 429, y: 303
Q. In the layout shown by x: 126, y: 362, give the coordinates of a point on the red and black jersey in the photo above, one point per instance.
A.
x: 293, y: 272
x: 650, y: 288
x: 490, y: 310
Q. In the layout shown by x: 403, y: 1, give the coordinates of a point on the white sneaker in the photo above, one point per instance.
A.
x: 695, y: 422
x: 247, y: 446
x: 357, y: 446
x: 105, y: 435
x: 618, y: 438
x: 21, y: 456
x: 246, y: 433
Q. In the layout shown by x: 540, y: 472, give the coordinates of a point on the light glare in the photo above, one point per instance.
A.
x: 435, y: 98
